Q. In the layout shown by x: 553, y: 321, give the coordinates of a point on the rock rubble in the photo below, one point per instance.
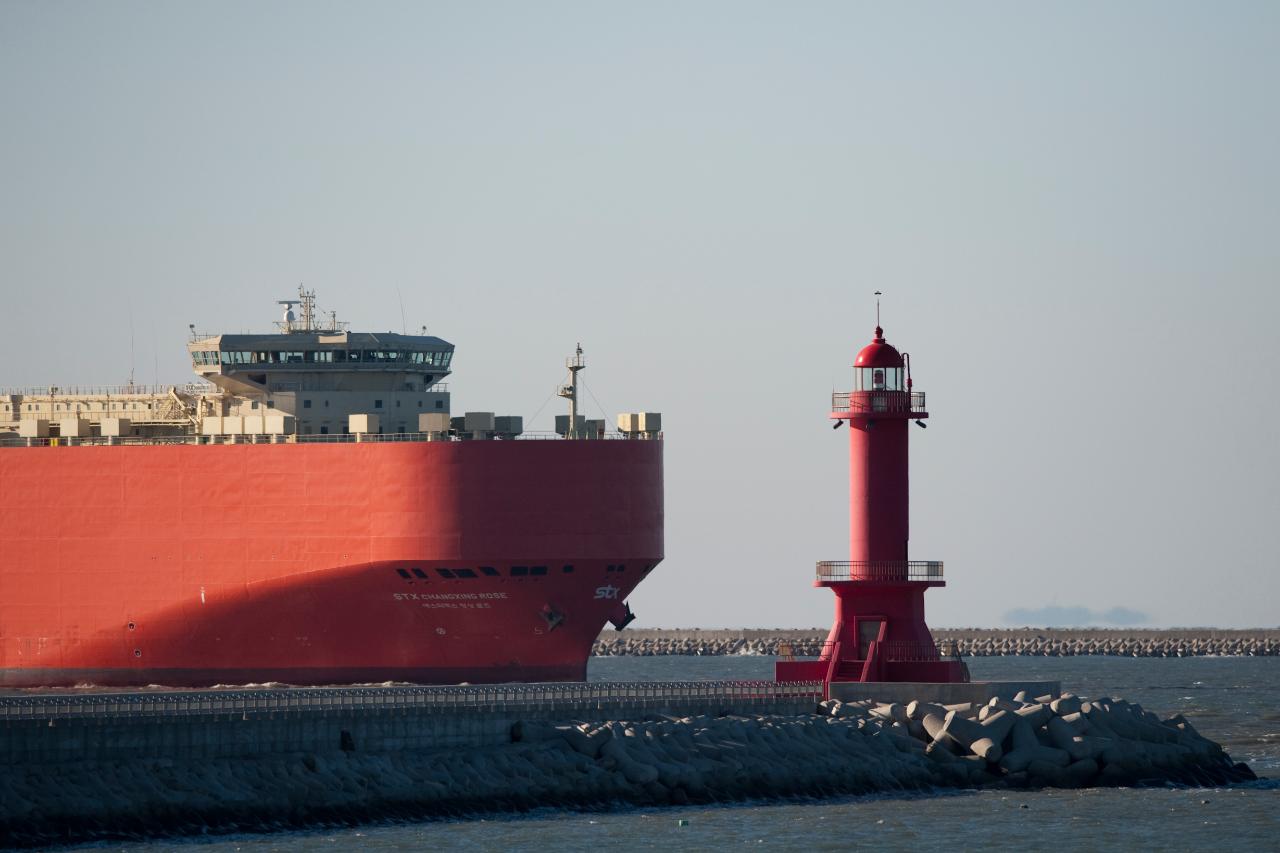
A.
x: 1050, y: 741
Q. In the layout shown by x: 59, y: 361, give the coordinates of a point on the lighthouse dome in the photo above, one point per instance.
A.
x: 878, y: 353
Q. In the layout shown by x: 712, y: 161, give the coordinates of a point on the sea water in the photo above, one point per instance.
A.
x: 1234, y: 701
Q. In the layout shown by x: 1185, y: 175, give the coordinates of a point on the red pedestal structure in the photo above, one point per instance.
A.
x: 879, y: 632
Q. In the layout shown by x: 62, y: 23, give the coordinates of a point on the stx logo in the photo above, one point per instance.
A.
x: 609, y: 591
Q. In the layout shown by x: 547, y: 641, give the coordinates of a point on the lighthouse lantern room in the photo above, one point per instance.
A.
x: 879, y: 632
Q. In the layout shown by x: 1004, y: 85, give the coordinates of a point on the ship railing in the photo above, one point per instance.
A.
x: 12, y: 440
x: 194, y: 389
x: 879, y: 570
x: 561, y: 698
x: 878, y: 401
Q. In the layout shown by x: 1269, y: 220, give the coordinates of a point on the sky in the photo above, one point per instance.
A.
x: 1072, y: 209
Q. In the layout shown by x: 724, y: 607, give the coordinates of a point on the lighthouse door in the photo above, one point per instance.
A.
x: 868, y: 633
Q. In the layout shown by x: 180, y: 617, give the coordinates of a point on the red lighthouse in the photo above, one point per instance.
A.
x: 879, y: 632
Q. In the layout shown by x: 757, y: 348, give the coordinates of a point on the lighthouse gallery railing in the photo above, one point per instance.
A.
x: 877, y: 401
x: 880, y: 570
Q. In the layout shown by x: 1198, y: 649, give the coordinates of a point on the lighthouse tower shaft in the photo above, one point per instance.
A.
x: 879, y: 632
x: 878, y: 488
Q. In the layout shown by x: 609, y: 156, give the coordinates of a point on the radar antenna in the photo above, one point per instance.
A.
x: 288, y: 320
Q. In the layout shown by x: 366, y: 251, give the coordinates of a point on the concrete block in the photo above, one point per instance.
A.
x: 978, y: 692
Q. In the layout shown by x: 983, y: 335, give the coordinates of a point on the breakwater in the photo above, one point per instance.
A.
x: 140, y: 764
x: 971, y: 642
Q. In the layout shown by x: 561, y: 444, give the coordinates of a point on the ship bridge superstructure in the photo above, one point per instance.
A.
x: 320, y: 378
x: 312, y: 379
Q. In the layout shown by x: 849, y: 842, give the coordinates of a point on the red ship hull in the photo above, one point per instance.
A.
x: 195, y: 565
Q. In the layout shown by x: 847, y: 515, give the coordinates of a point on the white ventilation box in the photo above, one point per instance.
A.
x: 478, y: 422
x: 280, y: 424
x: 508, y: 425
x: 357, y: 424
x: 233, y: 425
x: 116, y: 427
x: 628, y: 422
x: 433, y: 422
x: 650, y: 421
x: 209, y: 425
x: 253, y: 425
x: 73, y: 428
x: 562, y: 424
x: 33, y: 428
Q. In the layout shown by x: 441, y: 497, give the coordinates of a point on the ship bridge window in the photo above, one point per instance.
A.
x: 236, y: 357
x: 382, y: 355
x: 404, y: 573
x: 464, y: 573
x: 489, y: 571
x: 519, y: 571
x: 568, y: 570
x: 419, y: 573
x: 445, y: 573
x: 537, y: 570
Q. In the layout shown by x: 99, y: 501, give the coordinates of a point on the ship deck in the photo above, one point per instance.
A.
x: 361, y: 438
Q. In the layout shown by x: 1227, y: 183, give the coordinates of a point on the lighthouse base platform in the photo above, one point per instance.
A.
x: 938, y: 693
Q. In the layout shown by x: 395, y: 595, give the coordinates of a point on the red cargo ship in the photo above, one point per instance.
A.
x: 235, y: 533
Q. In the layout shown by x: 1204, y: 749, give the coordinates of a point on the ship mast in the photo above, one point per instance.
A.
x: 570, y: 391
x: 310, y: 320
x: 307, y: 298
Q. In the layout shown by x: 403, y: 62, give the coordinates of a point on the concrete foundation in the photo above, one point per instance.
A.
x: 212, y: 725
x: 977, y: 692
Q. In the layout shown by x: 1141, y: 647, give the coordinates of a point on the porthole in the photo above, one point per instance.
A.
x: 132, y: 626
x: 137, y: 653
